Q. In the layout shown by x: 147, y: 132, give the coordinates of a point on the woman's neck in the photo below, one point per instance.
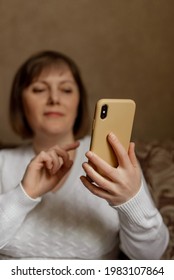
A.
x: 44, y: 142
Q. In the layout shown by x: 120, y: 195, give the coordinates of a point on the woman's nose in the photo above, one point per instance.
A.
x: 54, y: 96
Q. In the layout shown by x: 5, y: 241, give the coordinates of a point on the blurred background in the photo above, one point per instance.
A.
x: 125, y: 49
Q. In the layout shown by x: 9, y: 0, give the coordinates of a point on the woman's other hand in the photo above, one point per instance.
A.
x: 46, y: 170
x: 116, y: 185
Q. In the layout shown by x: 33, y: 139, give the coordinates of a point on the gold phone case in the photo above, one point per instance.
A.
x: 118, y: 119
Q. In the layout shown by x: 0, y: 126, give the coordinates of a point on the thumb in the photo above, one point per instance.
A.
x: 64, y: 169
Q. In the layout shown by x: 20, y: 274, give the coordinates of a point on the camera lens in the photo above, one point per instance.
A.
x: 104, y: 110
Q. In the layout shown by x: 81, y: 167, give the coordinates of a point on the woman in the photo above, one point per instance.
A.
x: 45, y: 211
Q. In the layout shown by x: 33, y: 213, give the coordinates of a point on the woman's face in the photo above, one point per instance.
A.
x: 51, y: 101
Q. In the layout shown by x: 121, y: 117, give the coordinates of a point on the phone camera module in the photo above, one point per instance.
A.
x: 104, y: 110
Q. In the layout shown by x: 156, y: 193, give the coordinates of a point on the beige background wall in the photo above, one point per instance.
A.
x: 125, y: 49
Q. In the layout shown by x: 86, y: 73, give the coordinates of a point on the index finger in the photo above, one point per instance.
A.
x: 71, y: 146
x: 100, y: 165
x: 119, y: 150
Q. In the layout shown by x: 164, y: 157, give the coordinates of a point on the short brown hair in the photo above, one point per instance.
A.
x: 31, y: 69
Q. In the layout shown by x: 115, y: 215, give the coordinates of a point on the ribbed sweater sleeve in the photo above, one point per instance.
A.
x: 142, y: 224
x: 14, y: 206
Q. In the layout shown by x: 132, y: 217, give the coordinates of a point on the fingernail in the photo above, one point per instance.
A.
x: 89, y: 154
x: 112, y: 135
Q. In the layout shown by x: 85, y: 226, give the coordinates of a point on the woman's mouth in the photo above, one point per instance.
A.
x: 53, y: 114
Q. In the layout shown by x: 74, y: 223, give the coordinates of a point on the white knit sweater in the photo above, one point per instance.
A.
x: 73, y: 223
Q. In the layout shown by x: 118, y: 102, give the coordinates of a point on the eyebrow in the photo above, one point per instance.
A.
x: 68, y: 81
x: 61, y: 82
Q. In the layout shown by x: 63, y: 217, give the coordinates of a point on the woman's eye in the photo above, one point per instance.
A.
x: 38, y: 90
x: 67, y: 90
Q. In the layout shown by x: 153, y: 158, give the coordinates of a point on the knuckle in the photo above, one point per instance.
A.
x: 124, y: 154
x: 94, y: 190
x: 111, y: 172
x: 42, y: 154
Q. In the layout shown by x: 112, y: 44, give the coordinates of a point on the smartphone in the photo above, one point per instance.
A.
x: 116, y: 115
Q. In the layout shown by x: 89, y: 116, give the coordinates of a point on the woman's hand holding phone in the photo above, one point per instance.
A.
x: 116, y: 184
